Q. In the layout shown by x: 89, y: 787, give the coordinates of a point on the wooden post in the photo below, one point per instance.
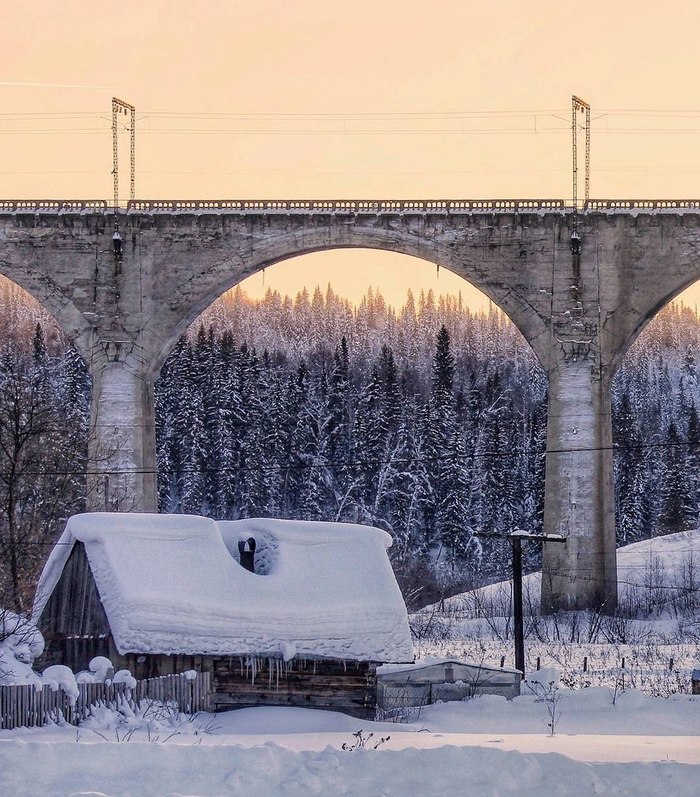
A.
x: 519, y: 630
x: 516, y: 538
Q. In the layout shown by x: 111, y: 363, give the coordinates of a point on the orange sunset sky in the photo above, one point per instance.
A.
x: 381, y: 99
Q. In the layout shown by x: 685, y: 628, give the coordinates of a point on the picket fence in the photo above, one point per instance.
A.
x: 25, y: 706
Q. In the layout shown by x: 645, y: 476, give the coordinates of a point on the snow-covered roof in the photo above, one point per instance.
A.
x: 171, y: 584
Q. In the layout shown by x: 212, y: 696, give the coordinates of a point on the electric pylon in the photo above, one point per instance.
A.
x: 580, y: 106
x: 119, y: 107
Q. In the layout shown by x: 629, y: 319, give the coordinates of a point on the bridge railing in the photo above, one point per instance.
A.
x: 642, y: 204
x: 347, y: 206
x: 51, y: 205
x: 284, y: 206
x: 353, y: 207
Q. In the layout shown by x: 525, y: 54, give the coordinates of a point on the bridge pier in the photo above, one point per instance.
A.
x: 121, y: 450
x: 579, y: 491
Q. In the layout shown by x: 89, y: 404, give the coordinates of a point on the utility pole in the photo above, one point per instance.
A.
x: 516, y: 537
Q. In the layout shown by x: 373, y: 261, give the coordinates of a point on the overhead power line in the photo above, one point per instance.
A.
x: 320, y: 464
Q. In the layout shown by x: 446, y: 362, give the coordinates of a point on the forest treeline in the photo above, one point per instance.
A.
x: 428, y: 421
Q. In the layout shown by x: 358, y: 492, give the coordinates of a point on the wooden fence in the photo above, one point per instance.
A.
x: 25, y: 706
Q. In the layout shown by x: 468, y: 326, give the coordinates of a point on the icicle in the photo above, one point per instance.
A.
x: 252, y: 664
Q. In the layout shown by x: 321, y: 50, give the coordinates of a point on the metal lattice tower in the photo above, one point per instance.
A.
x: 580, y: 106
x: 119, y: 107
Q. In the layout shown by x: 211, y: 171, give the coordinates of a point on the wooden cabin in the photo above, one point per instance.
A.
x: 160, y: 594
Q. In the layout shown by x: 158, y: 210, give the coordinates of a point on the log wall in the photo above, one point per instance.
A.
x: 346, y: 686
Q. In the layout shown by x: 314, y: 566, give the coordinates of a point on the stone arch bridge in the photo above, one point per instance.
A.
x: 579, y: 301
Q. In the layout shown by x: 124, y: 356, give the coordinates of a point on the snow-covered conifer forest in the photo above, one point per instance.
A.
x: 428, y: 421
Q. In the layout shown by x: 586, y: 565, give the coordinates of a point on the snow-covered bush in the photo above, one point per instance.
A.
x: 124, y: 677
x: 20, y: 643
x: 544, y: 685
x: 100, y: 669
x: 58, y: 676
x: 152, y: 721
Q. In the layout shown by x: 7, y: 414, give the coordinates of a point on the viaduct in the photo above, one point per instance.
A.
x: 580, y: 286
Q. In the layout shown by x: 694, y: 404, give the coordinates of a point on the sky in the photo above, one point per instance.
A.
x: 369, y: 99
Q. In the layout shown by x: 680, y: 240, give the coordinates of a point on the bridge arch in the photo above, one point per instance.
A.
x: 214, y: 278
x: 656, y: 399
x: 656, y: 303
x: 194, y: 362
x: 35, y: 280
x: 45, y: 407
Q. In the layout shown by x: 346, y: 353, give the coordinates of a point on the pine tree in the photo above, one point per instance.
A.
x: 676, y: 512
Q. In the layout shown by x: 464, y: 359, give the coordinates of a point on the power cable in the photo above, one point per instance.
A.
x: 367, y: 464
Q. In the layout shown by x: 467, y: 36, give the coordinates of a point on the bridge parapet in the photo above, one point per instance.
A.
x: 350, y: 206
x: 52, y: 205
x: 326, y: 206
x: 648, y: 205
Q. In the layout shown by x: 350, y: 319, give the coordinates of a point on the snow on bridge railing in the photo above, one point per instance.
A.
x: 346, y: 206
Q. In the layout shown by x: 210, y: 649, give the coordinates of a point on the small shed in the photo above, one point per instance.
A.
x: 159, y: 594
x: 439, y: 680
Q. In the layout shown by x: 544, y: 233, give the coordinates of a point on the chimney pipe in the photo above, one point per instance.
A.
x: 246, y: 551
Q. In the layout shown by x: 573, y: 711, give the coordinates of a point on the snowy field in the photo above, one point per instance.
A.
x: 656, y: 634
x: 640, y: 746
x: 632, y: 732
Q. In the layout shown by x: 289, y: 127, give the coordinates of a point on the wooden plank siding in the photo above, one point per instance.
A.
x: 74, y: 607
x: 73, y: 622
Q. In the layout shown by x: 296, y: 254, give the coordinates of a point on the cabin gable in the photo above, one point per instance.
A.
x: 73, y: 622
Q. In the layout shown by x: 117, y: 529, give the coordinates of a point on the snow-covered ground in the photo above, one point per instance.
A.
x: 608, y: 740
x: 655, y: 636
x: 640, y: 746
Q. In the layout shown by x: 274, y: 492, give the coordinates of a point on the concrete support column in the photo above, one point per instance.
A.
x: 579, y: 491
x: 122, y: 450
